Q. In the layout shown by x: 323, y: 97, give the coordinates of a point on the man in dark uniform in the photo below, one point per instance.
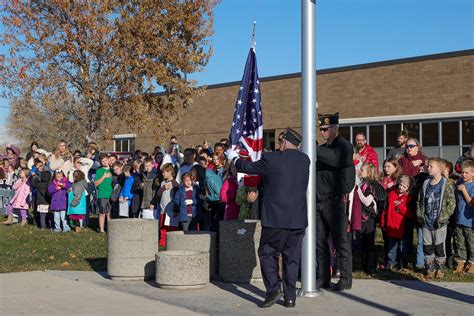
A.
x: 284, y: 213
x: 335, y: 179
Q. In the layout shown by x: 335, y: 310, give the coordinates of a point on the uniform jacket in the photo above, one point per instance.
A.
x: 447, y: 206
x: 22, y: 191
x: 58, y: 195
x: 285, y: 181
x: 335, y: 173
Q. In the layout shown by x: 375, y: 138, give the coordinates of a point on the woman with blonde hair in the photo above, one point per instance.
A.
x: 61, y: 159
x: 370, y: 193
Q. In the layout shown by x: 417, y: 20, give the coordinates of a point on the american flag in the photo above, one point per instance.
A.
x: 246, y: 134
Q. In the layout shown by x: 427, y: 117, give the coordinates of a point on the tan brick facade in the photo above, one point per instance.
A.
x: 427, y: 84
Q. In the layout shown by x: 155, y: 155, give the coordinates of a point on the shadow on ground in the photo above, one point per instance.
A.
x: 435, y: 290
x: 97, y: 264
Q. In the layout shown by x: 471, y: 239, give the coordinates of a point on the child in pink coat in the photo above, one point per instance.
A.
x: 229, y: 193
x: 19, y: 202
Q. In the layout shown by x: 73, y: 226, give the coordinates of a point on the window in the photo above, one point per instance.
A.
x: 376, y: 135
x: 430, y: 134
x: 345, y: 132
x: 413, y: 130
x: 392, y: 134
x: 269, y: 139
x: 467, y: 132
x: 450, y: 133
x: 124, y: 143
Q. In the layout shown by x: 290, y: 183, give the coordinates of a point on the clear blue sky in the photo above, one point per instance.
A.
x: 348, y: 32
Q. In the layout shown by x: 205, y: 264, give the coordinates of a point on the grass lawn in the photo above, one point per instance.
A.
x: 30, y: 248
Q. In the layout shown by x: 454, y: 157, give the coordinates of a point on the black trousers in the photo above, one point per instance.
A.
x: 288, y: 242
x: 367, y: 246
x: 331, y: 220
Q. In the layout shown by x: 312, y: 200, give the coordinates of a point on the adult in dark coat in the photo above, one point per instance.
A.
x: 335, y: 179
x: 284, y: 213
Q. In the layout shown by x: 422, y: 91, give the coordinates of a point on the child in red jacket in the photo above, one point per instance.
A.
x: 397, y: 211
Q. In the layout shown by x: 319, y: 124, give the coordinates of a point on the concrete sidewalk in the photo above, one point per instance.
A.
x: 76, y: 292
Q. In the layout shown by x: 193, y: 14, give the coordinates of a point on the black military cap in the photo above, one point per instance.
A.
x: 292, y: 136
x: 328, y: 119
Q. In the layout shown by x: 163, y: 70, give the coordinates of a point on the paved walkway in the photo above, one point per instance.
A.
x: 91, y: 293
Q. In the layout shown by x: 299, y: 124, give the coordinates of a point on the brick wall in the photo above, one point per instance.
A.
x: 398, y: 88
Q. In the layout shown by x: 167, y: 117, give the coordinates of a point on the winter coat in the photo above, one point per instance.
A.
x: 86, y: 165
x: 228, y: 196
x: 388, y: 183
x: 146, y: 184
x: 162, y: 198
x: 59, y: 195
x: 407, y: 166
x: 393, y: 219
x: 60, y: 164
x: 447, y: 204
x: 80, y: 208
x: 213, y: 185
x: 22, y: 192
x: 14, y: 158
x: 41, y: 183
x: 370, y: 156
x: 77, y: 189
x: 355, y: 211
x: 137, y: 194
x: 126, y: 191
x: 180, y: 204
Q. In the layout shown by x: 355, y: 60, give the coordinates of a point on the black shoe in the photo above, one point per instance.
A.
x: 290, y: 303
x: 341, y: 286
x: 320, y: 284
x: 272, y: 299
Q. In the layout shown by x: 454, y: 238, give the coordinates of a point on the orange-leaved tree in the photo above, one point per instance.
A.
x: 109, y: 57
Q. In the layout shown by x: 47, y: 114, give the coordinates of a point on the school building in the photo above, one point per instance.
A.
x: 431, y: 97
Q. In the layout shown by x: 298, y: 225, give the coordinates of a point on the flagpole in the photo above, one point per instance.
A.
x: 254, y: 43
x: 308, y: 131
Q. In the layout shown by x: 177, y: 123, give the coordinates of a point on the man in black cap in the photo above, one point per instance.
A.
x: 335, y: 179
x: 284, y: 213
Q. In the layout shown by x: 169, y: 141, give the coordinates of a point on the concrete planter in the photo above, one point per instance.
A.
x: 181, y: 269
x: 238, y: 251
x: 204, y: 241
x: 131, y: 248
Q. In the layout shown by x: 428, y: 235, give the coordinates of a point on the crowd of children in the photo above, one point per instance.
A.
x: 196, y: 188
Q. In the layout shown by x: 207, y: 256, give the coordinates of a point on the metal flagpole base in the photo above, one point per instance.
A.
x: 316, y: 293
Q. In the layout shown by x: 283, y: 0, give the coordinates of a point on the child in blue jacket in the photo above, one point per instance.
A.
x: 186, y: 201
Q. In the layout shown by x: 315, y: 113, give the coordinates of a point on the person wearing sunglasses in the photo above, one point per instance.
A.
x: 335, y: 179
x: 413, y: 164
x: 414, y: 160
